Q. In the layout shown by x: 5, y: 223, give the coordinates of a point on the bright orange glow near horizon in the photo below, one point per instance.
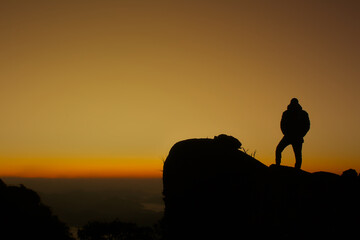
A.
x: 82, y: 168
x: 86, y: 87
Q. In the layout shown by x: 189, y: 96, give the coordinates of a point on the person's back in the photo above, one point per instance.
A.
x: 295, y: 121
x: 295, y: 124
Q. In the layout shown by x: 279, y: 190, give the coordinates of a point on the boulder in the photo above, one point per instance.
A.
x: 212, y: 189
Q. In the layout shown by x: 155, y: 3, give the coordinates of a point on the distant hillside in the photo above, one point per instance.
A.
x: 80, y: 200
x: 213, y: 190
x: 23, y: 216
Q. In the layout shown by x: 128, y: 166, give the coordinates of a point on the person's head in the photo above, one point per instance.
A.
x: 294, y: 101
x: 294, y: 104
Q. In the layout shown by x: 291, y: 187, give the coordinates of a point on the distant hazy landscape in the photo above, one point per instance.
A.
x: 77, y: 201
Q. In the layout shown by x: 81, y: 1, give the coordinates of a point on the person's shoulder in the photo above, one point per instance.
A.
x: 286, y: 112
x: 304, y: 112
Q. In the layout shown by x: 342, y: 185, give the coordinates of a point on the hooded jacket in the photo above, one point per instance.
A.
x: 295, y: 122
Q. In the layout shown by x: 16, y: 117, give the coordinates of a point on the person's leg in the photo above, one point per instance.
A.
x: 281, y: 146
x: 297, y: 147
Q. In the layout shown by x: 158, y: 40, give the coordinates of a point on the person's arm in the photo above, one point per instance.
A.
x: 306, y: 123
x: 283, y: 123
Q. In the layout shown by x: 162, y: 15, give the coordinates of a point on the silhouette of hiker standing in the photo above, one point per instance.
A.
x: 295, y: 124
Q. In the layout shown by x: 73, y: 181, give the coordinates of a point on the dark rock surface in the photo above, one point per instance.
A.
x: 213, y: 190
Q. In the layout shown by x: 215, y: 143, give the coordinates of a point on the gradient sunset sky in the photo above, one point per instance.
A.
x: 104, y: 88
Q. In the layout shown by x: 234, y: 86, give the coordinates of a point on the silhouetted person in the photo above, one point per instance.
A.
x: 295, y: 124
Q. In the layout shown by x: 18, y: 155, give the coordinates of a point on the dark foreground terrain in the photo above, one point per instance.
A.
x: 214, y: 190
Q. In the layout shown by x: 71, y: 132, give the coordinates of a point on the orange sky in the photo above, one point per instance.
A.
x: 105, y: 88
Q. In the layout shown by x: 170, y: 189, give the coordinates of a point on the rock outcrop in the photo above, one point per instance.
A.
x: 213, y: 190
